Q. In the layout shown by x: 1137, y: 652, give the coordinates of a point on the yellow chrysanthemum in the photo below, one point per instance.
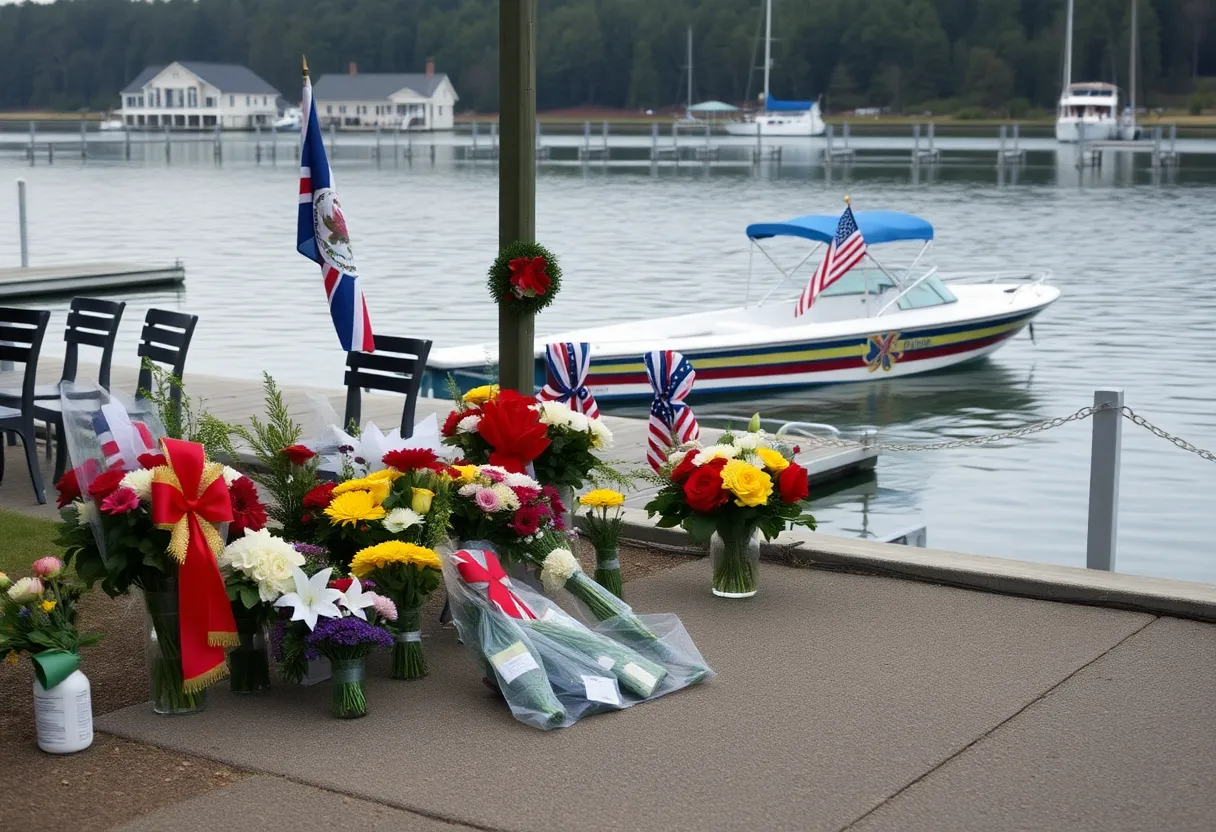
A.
x: 392, y: 551
x: 773, y: 460
x: 750, y: 485
x: 602, y: 498
x: 47, y: 606
x: 468, y: 473
x: 354, y: 507
x: 480, y: 395
x: 378, y: 488
x: 385, y: 475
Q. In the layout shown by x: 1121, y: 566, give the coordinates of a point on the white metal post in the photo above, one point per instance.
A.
x: 21, y: 224
x: 1104, y: 480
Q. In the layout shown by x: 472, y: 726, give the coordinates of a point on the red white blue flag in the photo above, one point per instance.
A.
x: 321, y: 236
x: 845, y: 251
x: 671, y: 377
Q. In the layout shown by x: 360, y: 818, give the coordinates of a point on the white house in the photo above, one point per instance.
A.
x: 189, y: 94
x: 409, y: 100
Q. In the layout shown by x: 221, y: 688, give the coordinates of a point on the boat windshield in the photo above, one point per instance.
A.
x: 931, y: 291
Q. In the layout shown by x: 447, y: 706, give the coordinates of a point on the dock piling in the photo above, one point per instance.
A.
x: 257, y: 143
x: 605, y: 134
x: 167, y: 151
x: 377, y: 144
x: 333, y: 140
x: 84, y: 140
x: 32, y: 131
x: 126, y: 143
x: 1104, y: 479
x: 22, y: 224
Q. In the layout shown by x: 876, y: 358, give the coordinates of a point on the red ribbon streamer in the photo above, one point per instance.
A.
x: 189, y: 497
x: 498, y: 585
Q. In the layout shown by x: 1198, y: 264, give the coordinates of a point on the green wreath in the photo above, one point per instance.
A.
x: 525, y: 277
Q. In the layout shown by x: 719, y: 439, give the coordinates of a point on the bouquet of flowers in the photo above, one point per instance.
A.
x: 731, y: 491
x: 332, y: 619
x: 604, y: 531
x: 512, y: 431
x: 508, y: 509
x: 409, y: 500
x: 158, y: 526
x: 257, y: 570
x: 406, y: 573
x: 38, y: 617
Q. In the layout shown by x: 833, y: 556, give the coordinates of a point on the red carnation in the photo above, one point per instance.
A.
x: 68, y: 487
x: 413, y: 459
x: 792, y: 484
x: 682, y: 471
x: 453, y: 419
x: 247, y: 510
x: 297, y: 454
x: 320, y: 496
x: 513, y: 430
x: 526, y: 521
x: 105, y: 484
x: 703, y: 490
x: 152, y: 460
x: 341, y: 584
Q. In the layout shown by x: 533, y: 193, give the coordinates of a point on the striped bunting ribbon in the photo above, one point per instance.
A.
x: 568, y: 364
x: 671, y: 377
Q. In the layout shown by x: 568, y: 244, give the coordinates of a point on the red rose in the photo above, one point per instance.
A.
x: 247, y: 510
x: 297, y: 454
x: 413, y: 459
x: 105, y: 484
x: 792, y: 484
x: 453, y: 419
x: 68, y: 487
x: 703, y: 490
x: 320, y: 496
x: 341, y: 584
x: 152, y: 460
x: 513, y: 430
x: 682, y: 471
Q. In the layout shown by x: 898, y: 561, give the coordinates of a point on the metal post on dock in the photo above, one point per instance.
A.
x: 396, y: 144
x: 932, y: 135
x: 1001, y: 154
x: 377, y: 143
x: 167, y: 143
x: 1173, y: 140
x: 218, y: 150
x: 586, y: 154
x: 274, y: 146
x: 675, y: 142
x: 126, y: 143
x: 844, y: 131
x: 333, y: 140
x: 707, y: 148
x: 494, y: 139
x: 22, y: 224
x: 409, y: 144
x: 32, y: 130
x: 828, y: 135
x: 84, y: 140
x: 1016, y: 134
x: 475, y: 141
x: 50, y: 153
x: 759, y: 144
x: 916, y: 143
x: 257, y: 143
x: 605, y: 134
x: 1156, y: 146
x: 1104, y: 480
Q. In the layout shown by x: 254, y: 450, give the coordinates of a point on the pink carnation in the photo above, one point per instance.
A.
x: 47, y: 567
x: 384, y: 607
x: 120, y: 501
x: 487, y: 501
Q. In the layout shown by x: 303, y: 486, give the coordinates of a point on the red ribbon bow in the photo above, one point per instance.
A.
x: 189, y: 498
x: 498, y: 585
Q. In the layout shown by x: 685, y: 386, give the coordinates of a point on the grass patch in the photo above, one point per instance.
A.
x: 25, y: 540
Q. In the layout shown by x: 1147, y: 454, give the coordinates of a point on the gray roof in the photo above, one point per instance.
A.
x: 225, y: 77
x: 371, y: 86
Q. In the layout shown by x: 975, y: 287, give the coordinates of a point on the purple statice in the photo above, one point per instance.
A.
x: 316, y: 557
x: 347, y: 637
x: 368, y: 584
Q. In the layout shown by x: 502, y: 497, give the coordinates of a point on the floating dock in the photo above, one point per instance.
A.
x: 20, y: 282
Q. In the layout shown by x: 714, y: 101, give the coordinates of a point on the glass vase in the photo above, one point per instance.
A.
x: 608, y: 570
x: 407, y: 661
x: 249, y: 662
x: 350, y: 701
x: 163, y: 650
x: 734, y: 554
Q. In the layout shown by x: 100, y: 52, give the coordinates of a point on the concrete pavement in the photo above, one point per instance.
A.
x: 841, y: 701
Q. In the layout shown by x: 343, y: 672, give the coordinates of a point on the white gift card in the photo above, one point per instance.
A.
x: 602, y: 689
x: 514, y: 662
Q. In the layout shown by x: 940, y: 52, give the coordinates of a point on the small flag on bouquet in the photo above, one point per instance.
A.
x: 845, y: 251
x: 321, y: 235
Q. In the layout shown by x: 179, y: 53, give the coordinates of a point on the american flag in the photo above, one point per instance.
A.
x: 844, y: 252
x: 111, y: 450
x: 321, y: 236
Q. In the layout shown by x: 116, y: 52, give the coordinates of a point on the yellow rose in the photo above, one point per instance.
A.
x: 602, y: 498
x: 773, y: 460
x: 480, y: 395
x: 47, y: 606
x: 750, y: 485
x: 421, y: 502
x: 468, y: 473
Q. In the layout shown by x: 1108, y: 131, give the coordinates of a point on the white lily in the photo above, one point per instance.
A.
x: 356, y: 600
x: 312, y: 599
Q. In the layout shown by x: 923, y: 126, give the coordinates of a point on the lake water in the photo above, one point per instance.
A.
x: 1132, y: 249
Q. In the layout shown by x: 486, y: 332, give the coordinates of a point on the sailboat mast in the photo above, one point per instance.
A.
x: 1068, y: 47
x: 690, y: 68
x: 1131, y: 93
x: 768, y: 45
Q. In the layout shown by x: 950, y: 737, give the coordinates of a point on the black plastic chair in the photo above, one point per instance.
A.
x: 165, y: 340
x: 396, y: 367
x: 22, y: 332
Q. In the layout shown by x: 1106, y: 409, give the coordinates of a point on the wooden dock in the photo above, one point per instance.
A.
x: 19, y: 282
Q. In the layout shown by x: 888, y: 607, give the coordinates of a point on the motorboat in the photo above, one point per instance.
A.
x: 1089, y: 112
x: 878, y: 321
x: 112, y: 124
x: 291, y: 119
x: 779, y: 118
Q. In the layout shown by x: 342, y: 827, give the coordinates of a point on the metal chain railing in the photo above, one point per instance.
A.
x: 1025, y: 430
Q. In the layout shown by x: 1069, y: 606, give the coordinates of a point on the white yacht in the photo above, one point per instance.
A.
x: 1089, y: 111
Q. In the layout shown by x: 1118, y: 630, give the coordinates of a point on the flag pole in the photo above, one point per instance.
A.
x: 304, y: 60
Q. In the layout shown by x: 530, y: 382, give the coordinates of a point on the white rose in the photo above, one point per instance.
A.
x: 468, y: 424
x: 139, y: 481
x: 400, y: 519
x: 559, y: 565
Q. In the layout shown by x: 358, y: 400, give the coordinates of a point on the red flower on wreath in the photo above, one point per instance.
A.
x: 247, y: 510
x: 528, y: 276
